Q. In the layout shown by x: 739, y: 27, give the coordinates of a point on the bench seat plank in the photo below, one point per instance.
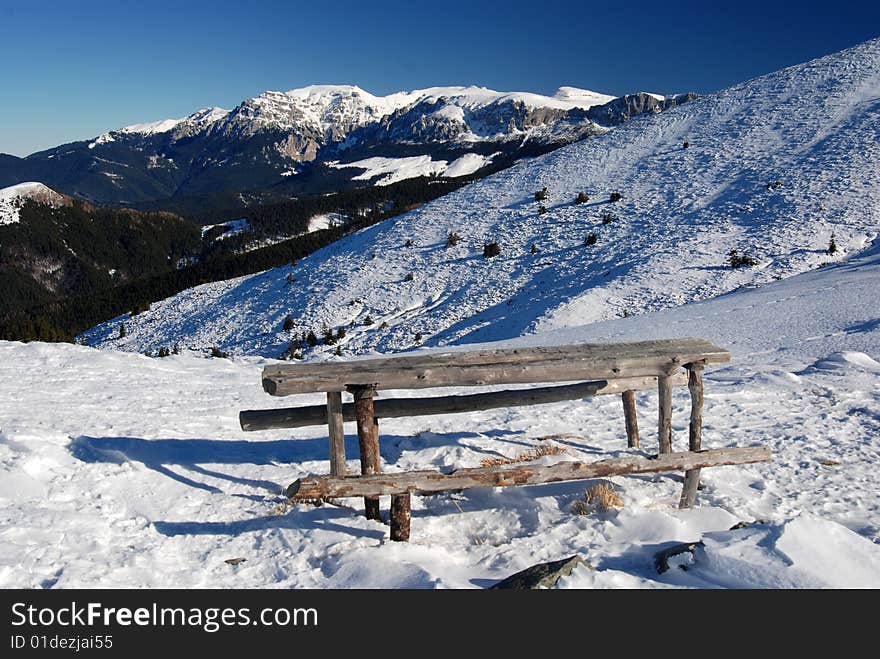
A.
x: 493, y: 367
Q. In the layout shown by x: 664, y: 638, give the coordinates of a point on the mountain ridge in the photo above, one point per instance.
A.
x: 278, y: 142
x: 773, y: 168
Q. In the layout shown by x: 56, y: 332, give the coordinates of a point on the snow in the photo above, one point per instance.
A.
x: 394, y: 169
x: 325, y: 221
x: 233, y: 228
x: 198, y: 120
x: 398, y: 169
x: 152, y: 127
x: 12, y: 197
x: 146, y: 479
x: 473, y: 97
x: 582, y: 98
x: 466, y: 164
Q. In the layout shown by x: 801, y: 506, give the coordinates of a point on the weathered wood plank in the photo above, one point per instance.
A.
x: 368, y: 442
x: 315, y: 415
x: 401, y: 516
x: 695, y: 434
x: 488, y: 367
x: 337, y: 434
x: 630, y: 418
x: 664, y: 390
x: 426, y: 482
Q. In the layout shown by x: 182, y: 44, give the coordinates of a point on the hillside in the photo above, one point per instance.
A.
x: 145, y: 479
x: 773, y: 168
x: 53, y: 247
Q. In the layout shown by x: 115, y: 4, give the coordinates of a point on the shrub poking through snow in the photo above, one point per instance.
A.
x: 452, y: 239
x: 600, y: 497
x: 582, y: 198
x: 384, y: 325
x: 526, y: 456
x: 737, y: 260
x: 591, y: 239
x: 534, y: 249
x: 409, y: 277
x: 338, y: 351
x: 328, y: 338
x: 685, y: 145
x: 122, y: 331
x: 608, y: 218
x: 418, y: 337
x: 491, y: 250
x: 216, y: 352
x: 542, y: 194
x: 832, y: 246
x: 542, y: 210
x: 615, y: 197
x: 311, y: 339
x: 288, y: 324
x: 368, y: 320
x: 408, y: 243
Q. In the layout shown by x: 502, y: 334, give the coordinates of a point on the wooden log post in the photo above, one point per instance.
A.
x: 630, y: 418
x: 695, y: 434
x: 426, y: 482
x: 368, y: 441
x: 401, y: 516
x: 664, y: 389
x: 337, y: 435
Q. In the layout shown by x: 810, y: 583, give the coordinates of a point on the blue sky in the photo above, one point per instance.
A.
x: 70, y: 69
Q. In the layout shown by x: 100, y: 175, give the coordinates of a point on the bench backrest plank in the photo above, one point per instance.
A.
x: 490, y: 367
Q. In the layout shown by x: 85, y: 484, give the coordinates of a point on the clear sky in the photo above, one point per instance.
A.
x: 71, y: 69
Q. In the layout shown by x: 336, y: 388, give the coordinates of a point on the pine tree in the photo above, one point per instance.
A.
x: 122, y: 331
x: 832, y: 246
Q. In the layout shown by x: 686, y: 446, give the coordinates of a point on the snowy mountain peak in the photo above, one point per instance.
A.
x: 12, y: 198
x: 582, y: 98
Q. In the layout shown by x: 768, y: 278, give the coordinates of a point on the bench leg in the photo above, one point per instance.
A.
x: 629, y: 416
x: 368, y: 441
x: 664, y: 389
x: 400, y: 517
x: 337, y: 434
x: 695, y: 434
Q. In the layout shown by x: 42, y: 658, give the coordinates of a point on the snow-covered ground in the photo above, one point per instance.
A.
x: 397, y: 169
x: 121, y: 470
x: 774, y: 168
x: 231, y: 228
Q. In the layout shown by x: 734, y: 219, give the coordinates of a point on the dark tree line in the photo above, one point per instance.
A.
x: 99, y: 300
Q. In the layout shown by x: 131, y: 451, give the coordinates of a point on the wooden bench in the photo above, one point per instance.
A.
x: 621, y: 368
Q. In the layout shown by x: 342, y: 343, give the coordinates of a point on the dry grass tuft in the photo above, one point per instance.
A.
x: 601, y: 497
x: 527, y: 456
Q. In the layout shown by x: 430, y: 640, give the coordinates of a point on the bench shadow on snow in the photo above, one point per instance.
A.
x: 192, y: 454
x: 320, y: 519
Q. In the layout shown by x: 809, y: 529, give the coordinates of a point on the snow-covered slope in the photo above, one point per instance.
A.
x: 774, y: 168
x: 14, y: 196
x: 133, y: 472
